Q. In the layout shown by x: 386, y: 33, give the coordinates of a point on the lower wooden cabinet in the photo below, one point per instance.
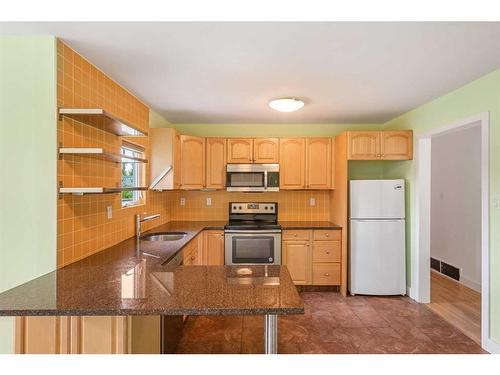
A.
x: 313, y: 257
x: 297, y: 258
x: 213, y: 247
x: 71, y: 335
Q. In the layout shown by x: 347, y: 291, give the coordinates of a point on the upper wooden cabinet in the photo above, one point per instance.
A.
x: 266, y: 150
x: 318, y: 163
x: 396, y: 145
x: 363, y: 145
x: 292, y: 158
x: 192, y: 162
x: 215, y: 175
x: 380, y: 145
x: 165, y: 150
x: 306, y: 163
x: 240, y: 150
x: 252, y: 150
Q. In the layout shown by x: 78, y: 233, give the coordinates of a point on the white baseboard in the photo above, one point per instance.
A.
x: 474, y: 285
x: 491, y: 346
x: 409, y: 293
x: 463, y: 280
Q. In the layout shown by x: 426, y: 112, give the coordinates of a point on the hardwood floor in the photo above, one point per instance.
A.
x: 457, y: 304
x: 333, y: 324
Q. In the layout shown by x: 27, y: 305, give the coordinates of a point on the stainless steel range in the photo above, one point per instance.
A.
x: 253, y: 235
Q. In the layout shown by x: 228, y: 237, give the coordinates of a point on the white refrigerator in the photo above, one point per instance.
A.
x: 377, y: 237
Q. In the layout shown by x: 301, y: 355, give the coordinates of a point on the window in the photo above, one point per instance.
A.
x: 132, y: 176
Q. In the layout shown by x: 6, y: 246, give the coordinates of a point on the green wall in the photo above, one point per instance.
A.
x: 28, y: 157
x: 482, y: 95
x: 268, y: 130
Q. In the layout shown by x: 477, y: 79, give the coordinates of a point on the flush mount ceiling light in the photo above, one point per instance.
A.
x: 286, y: 104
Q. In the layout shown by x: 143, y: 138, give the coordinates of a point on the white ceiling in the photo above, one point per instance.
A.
x: 226, y: 72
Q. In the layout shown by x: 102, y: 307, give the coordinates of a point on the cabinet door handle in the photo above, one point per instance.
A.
x: 308, y: 245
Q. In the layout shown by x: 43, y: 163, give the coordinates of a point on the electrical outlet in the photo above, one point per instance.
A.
x: 183, y: 202
x: 209, y: 201
x: 312, y: 202
x: 110, y: 212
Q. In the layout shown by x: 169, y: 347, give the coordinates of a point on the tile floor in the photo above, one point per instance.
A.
x: 333, y: 324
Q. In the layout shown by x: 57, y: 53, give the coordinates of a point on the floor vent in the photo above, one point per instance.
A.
x: 450, y: 271
x: 436, y: 264
x: 445, y: 269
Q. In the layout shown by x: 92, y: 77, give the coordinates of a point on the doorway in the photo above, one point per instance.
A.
x: 455, y: 249
x: 422, y: 227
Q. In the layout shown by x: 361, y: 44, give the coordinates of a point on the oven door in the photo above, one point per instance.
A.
x: 252, y: 247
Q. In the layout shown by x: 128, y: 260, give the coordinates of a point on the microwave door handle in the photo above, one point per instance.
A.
x: 265, y: 180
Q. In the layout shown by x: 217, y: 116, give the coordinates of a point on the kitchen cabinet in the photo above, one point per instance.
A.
x: 215, y: 174
x: 363, y: 145
x: 71, y: 335
x: 292, y: 159
x: 192, y: 162
x: 313, y: 257
x: 253, y: 150
x: 319, y: 163
x: 396, y: 145
x: 266, y: 150
x: 213, y: 247
x: 193, y: 252
x: 165, y: 150
x: 306, y: 163
x: 297, y: 258
x: 240, y: 150
x: 380, y: 145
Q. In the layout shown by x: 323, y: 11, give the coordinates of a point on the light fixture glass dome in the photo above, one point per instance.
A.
x: 286, y: 104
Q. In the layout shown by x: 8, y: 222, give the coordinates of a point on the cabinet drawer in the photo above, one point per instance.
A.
x: 326, y: 251
x: 297, y: 235
x: 326, y: 274
x: 327, y: 234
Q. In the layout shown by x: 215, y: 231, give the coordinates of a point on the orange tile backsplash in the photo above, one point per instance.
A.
x: 82, y: 224
x: 292, y: 205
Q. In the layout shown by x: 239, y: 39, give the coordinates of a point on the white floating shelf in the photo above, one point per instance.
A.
x: 101, y: 119
x: 97, y: 190
x: 97, y: 151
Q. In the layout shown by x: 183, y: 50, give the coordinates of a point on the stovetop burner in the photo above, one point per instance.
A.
x: 253, y: 216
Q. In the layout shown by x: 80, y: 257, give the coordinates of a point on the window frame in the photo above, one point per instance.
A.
x: 138, y: 197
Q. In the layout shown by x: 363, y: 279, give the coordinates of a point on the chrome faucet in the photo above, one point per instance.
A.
x: 139, y: 220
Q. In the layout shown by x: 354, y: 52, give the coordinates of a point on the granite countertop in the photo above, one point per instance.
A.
x: 309, y: 225
x: 123, y: 281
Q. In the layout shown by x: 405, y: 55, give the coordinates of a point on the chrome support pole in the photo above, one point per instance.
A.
x: 271, y: 334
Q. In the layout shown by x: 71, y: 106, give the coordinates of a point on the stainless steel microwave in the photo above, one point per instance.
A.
x: 253, y: 177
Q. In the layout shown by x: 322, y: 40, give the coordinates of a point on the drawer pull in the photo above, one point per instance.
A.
x: 327, y: 235
x: 193, y: 257
x: 328, y: 252
x: 295, y: 235
x: 327, y: 274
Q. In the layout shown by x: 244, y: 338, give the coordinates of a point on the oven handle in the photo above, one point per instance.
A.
x: 253, y: 231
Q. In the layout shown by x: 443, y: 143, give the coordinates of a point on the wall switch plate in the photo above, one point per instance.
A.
x: 312, y: 201
x: 109, y: 210
x: 183, y: 202
x: 209, y: 201
x: 496, y: 203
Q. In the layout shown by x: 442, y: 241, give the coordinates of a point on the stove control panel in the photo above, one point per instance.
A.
x: 253, y: 208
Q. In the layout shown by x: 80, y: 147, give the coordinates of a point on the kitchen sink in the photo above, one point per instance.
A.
x: 164, y: 236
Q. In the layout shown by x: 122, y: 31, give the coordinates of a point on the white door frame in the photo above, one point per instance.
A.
x: 420, y: 265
